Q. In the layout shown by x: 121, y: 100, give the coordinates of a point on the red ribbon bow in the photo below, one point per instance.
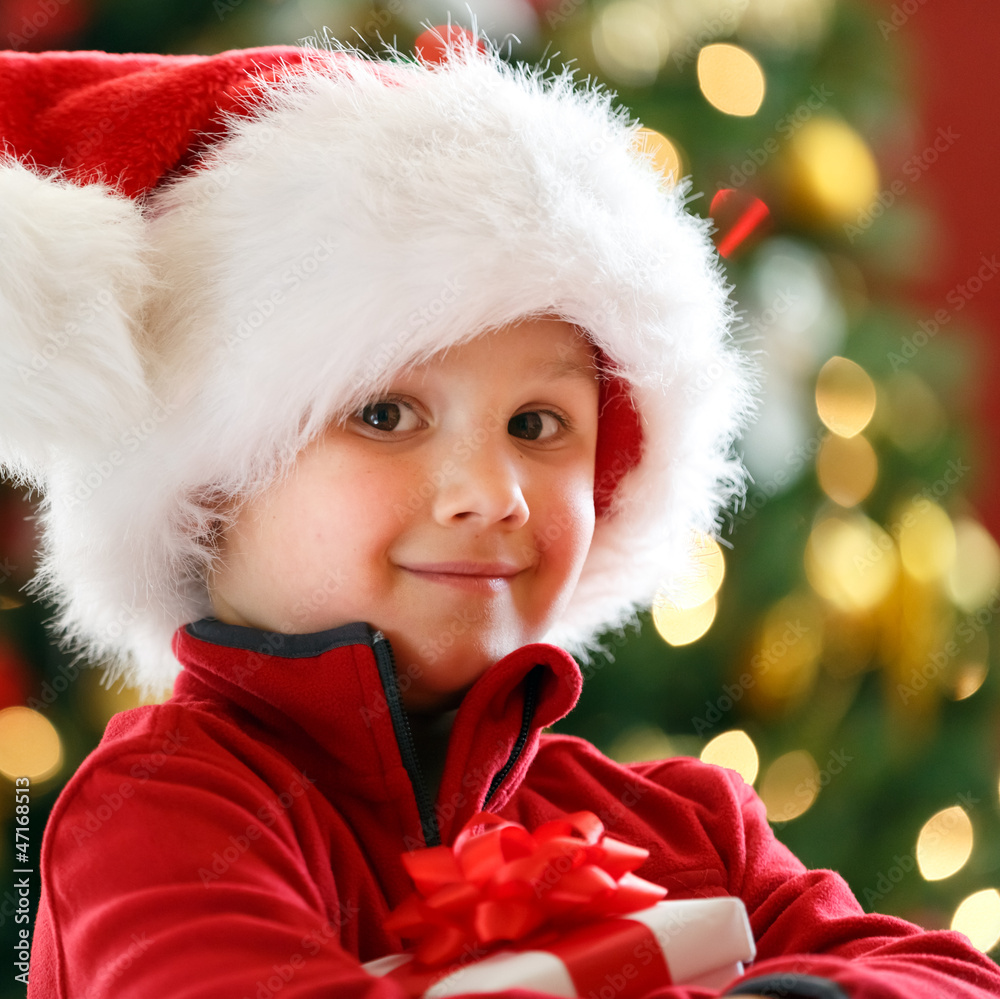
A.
x: 498, y: 882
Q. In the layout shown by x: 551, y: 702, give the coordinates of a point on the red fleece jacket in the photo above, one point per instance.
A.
x: 243, y: 839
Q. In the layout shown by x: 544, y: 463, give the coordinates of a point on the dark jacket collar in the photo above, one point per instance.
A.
x: 320, y: 697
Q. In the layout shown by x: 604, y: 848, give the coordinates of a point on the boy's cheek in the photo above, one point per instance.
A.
x: 569, y: 529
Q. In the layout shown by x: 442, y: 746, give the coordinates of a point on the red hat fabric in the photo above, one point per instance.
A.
x: 127, y: 121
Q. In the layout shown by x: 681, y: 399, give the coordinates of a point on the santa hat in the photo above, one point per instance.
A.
x: 205, y: 259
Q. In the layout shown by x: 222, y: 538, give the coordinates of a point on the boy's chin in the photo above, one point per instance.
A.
x: 439, y: 682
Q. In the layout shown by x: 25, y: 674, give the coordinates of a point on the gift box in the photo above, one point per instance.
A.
x: 702, y: 941
x: 558, y: 910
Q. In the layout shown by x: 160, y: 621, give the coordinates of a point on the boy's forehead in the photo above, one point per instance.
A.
x: 545, y: 346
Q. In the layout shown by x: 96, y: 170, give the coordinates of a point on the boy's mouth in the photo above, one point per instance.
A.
x: 475, y: 576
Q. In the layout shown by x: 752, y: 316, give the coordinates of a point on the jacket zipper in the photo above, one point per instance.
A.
x: 408, y: 750
x: 531, y: 685
x: 404, y: 737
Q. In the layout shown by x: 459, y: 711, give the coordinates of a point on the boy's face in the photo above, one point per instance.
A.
x: 453, y: 513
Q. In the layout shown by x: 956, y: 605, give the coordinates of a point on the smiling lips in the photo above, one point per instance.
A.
x: 474, y: 576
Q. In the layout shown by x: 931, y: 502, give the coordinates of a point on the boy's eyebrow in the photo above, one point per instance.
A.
x: 563, y: 368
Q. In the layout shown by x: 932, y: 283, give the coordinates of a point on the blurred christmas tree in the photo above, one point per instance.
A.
x: 841, y: 652
x: 843, y: 662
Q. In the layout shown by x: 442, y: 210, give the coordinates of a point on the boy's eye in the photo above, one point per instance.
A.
x: 534, y: 425
x: 387, y: 415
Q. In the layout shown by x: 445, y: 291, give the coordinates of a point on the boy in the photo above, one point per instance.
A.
x: 384, y: 374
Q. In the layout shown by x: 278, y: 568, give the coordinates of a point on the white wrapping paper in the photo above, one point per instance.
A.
x: 703, y: 941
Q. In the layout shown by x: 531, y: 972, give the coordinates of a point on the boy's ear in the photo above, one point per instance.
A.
x: 619, y: 435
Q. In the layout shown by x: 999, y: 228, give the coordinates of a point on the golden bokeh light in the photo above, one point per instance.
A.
x: 29, y: 745
x: 917, y: 647
x: 845, y: 396
x: 785, y: 659
x: 731, y: 79
x: 786, y: 24
x: 968, y: 678
x: 944, y: 843
x: 735, y: 750
x: 975, y: 572
x: 978, y: 917
x: 926, y: 541
x: 708, y: 569
x: 683, y: 625
x: 846, y: 468
x: 790, y: 786
x: 832, y: 176
x: 642, y: 744
x: 631, y: 41
x: 663, y: 154
x: 851, y: 562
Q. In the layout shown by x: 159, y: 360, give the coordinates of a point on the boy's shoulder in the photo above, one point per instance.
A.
x: 679, y: 772
x: 712, y: 796
x: 148, y: 751
x: 146, y: 737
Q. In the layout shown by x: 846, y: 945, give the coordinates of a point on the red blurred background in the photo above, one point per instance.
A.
x: 957, y: 51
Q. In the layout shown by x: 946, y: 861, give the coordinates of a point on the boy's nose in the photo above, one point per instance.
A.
x: 483, y: 485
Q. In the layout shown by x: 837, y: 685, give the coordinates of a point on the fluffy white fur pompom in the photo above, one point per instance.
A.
x: 71, y: 270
